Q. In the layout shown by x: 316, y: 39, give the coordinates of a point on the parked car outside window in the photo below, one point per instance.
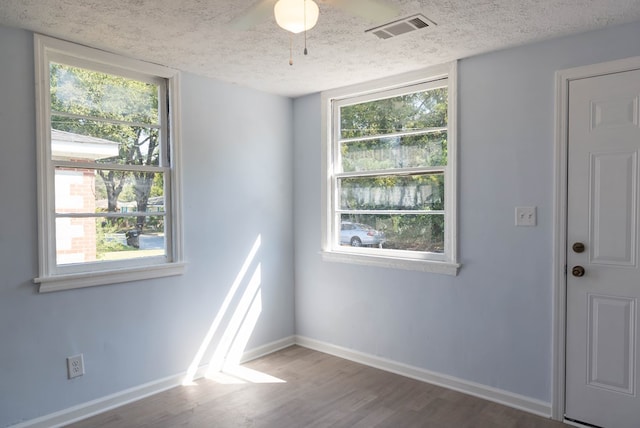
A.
x: 358, y: 235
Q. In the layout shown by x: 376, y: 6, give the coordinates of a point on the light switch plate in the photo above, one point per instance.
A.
x: 525, y: 216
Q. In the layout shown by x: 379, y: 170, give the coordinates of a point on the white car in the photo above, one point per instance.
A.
x: 358, y: 235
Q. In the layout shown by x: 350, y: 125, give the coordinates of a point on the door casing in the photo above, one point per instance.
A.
x: 563, y: 77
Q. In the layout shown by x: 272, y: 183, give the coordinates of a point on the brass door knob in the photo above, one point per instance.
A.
x: 578, y: 247
x: 577, y: 271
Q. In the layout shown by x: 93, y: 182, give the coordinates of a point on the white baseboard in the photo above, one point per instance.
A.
x: 507, y: 398
x: 103, y: 404
x: 91, y: 408
x: 267, y: 349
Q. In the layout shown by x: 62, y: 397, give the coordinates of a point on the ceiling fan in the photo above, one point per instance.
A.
x: 297, y: 16
x: 372, y: 10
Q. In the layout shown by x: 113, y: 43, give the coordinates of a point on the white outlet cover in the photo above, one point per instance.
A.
x: 526, y: 216
x: 75, y: 366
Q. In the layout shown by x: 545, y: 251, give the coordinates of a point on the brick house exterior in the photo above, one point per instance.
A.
x: 75, y: 193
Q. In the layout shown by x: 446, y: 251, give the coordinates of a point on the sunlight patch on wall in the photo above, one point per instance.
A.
x: 236, y: 335
x: 215, y: 325
x: 231, y: 329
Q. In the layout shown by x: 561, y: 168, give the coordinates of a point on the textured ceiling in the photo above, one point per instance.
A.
x: 198, y: 35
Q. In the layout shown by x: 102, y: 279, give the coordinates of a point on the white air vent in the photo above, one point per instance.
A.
x: 401, y: 26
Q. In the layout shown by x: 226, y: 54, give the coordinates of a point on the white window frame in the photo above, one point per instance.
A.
x: 54, y: 277
x: 446, y: 263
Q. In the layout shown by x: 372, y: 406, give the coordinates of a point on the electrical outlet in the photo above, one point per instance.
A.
x: 75, y: 366
x: 525, y: 216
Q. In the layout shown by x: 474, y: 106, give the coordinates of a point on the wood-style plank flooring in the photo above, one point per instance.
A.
x: 319, y: 390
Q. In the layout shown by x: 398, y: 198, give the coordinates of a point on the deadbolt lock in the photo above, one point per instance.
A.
x: 577, y: 271
x: 578, y: 247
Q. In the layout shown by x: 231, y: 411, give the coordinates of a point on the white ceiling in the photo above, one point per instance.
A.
x: 196, y: 35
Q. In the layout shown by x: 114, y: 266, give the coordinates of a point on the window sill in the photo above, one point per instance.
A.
x: 431, y: 266
x: 90, y: 279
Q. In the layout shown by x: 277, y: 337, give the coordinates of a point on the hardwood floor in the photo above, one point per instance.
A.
x: 313, y: 389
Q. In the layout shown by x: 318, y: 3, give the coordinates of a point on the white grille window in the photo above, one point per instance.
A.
x: 107, y: 169
x: 390, y: 196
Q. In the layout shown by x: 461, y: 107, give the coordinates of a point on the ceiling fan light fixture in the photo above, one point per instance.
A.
x: 296, y: 16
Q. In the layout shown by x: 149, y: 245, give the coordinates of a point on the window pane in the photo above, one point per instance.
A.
x: 414, y: 192
x: 80, y: 190
x: 410, y: 232
x: 90, y: 93
x: 420, y: 110
x: 102, y: 142
x: 424, y: 150
x: 81, y: 240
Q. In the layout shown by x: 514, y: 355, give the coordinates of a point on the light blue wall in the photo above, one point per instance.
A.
x: 237, y: 156
x: 492, y: 324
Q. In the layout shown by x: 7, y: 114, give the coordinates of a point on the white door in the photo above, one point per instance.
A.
x: 602, y: 356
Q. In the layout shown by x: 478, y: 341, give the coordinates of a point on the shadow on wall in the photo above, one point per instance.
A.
x: 232, y: 327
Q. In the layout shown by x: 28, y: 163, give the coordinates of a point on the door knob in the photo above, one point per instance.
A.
x: 577, y: 271
x: 578, y: 247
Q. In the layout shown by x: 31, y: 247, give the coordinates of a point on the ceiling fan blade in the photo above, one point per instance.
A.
x: 256, y: 14
x: 376, y: 11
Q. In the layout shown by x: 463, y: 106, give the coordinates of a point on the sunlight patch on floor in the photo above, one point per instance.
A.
x: 241, y: 375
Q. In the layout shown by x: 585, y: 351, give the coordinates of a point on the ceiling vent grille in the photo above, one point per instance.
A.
x: 401, y: 26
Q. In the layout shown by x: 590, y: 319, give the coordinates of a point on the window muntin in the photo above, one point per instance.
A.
x: 86, y: 140
x: 410, y: 150
x: 106, y: 178
x: 414, y: 111
x: 128, y: 224
x: 390, y: 168
x: 102, y: 95
x: 89, y: 109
